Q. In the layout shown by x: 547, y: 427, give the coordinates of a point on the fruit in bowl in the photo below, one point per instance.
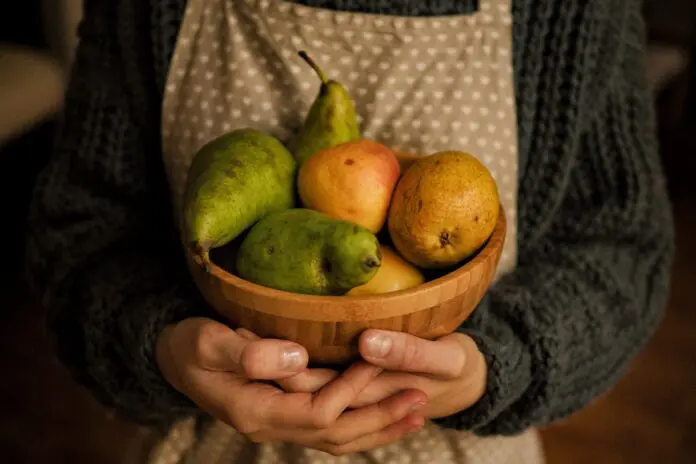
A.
x: 394, y: 274
x: 304, y: 251
x: 338, y: 234
x: 233, y: 181
x: 331, y: 120
x: 352, y: 181
x: 444, y: 209
x: 328, y: 326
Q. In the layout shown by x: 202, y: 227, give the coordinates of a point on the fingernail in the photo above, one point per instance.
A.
x: 292, y: 358
x: 417, y: 406
x: 378, y: 345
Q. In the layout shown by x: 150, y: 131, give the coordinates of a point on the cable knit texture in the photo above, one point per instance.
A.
x: 595, y: 230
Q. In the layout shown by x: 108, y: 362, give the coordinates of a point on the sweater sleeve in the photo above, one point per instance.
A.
x: 103, y: 255
x: 592, y: 282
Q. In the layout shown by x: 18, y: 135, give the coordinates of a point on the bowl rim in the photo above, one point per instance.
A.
x: 273, y: 301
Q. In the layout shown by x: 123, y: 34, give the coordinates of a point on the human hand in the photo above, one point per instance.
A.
x: 226, y: 373
x: 451, y: 371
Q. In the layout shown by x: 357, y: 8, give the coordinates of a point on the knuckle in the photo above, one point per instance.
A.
x: 333, y: 439
x: 323, y: 415
x: 244, y: 333
x: 252, y: 361
x: 388, y: 413
x: 247, y: 428
x: 242, y: 422
x: 354, y: 390
x: 323, y: 419
x: 203, y: 342
x: 459, y: 363
x: 411, y: 353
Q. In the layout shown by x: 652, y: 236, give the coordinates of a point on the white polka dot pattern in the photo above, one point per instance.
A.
x: 221, y: 444
x: 420, y: 85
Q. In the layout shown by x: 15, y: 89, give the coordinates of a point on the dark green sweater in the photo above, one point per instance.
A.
x: 595, y: 229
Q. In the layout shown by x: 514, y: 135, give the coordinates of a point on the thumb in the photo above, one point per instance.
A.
x: 220, y: 348
x: 398, y: 351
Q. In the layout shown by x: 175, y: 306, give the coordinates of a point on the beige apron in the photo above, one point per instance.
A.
x: 420, y: 85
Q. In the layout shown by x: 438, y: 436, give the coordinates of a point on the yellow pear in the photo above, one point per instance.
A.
x: 394, y: 274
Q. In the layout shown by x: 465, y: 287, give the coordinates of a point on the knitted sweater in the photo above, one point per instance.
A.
x: 595, y: 228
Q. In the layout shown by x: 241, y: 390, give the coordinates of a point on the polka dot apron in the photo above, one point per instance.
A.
x: 420, y: 84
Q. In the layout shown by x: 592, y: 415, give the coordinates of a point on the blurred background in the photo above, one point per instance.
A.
x: 650, y: 417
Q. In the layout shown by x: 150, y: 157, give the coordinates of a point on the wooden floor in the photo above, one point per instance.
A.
x: 649, y: 418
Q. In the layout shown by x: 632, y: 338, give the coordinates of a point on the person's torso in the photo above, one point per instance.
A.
x: 419, y: 84
x: 554, y: 46
x: 560, y: 53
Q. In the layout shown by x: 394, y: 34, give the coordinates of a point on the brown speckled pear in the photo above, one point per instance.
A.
x: 444, y: 208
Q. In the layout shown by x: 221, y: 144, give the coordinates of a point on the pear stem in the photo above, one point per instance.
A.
x: 205, y: 257
x: 203, y: 253
x: 324, y: 79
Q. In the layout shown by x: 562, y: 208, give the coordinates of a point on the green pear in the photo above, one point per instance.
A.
x: 304, y: 251
x: 235, y: 180
x: 331, y: 120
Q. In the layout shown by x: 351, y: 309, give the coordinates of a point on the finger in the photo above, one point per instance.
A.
x: 217, y: 347
x: 216, y: 393
x: 335, y: 397
x: 308, y: 381
x: 391, y: 433
x: 388, y: 384
x: 247, y: 334
x: 371, y: 419
x: 220, y: 348
x: 411, y: 423
x: 399, y: 351
x: 354, y: 424
x: 248, y: 406
x: 269, y: 359
x: 321, y: 409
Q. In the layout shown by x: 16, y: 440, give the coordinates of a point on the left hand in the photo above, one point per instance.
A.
x: 451, y: 371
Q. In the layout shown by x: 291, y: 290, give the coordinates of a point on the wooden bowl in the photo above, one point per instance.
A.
x: 328, y: 326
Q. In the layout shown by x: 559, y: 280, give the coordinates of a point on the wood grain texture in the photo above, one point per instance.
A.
x: 329, y: 325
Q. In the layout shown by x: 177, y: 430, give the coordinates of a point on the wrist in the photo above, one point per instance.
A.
x: 508, y: 375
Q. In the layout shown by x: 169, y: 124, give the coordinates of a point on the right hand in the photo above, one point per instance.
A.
x: 227, y: 373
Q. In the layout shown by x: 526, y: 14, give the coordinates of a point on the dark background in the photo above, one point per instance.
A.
x: 650, y: 417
